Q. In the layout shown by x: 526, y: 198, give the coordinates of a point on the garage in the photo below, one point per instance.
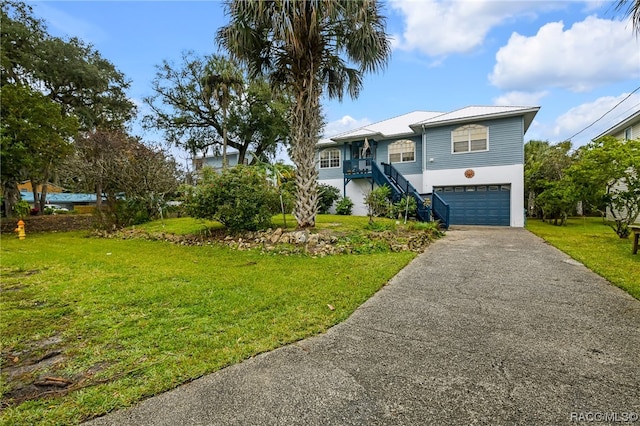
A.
x: 478, y: 204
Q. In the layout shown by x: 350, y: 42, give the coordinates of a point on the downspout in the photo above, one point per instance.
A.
x: 344, y: 179
x: 424, y: 159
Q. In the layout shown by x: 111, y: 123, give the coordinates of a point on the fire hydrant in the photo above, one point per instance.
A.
x: 20, y: 230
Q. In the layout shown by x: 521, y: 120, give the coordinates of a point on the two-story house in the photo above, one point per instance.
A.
x: 466, y: 166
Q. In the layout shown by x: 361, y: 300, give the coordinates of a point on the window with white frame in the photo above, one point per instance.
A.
x: 402, y: 151
x: 628, y: 134
x: 470, y: 138
x: 330, y: 158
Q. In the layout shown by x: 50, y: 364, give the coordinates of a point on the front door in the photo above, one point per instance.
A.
x: 360, y: 150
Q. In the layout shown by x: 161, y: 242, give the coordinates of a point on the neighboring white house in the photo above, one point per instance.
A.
x: 471, y: 159
x: 215, y: 161
x: 627, y: 129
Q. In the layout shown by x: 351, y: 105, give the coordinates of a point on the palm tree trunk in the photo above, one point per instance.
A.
x: 306, y: 128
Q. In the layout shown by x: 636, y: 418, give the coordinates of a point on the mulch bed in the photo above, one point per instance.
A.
x: 50, y: 223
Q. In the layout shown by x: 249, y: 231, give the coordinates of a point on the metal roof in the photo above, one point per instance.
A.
x: 61, y: 197
x: 480, y: 112
x: 396, y: 126
x: 411, y: 123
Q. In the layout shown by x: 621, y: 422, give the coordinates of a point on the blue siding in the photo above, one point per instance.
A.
x: 330, y: 173
x: 506, y: 146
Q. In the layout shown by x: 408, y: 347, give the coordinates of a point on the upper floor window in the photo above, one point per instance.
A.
x: 469, y: 138
x: 330, y: 158
x: 402, y: 151
x: 627, y: 134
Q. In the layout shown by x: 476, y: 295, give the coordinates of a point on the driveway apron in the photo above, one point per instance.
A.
x: 488, y: 326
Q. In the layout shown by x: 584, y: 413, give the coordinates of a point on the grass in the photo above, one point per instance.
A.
x: 127, y: 319
x: 595, y: 244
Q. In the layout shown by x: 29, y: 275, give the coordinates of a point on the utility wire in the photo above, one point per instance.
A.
x: 602, y: 116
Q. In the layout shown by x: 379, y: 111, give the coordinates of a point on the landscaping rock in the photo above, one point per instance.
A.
x: 325, y: 242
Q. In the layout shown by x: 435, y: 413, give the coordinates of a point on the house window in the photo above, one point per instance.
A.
x: 402, y: 151
x: 330, y: 158
x: 627, y: 134
x: 470, y: 138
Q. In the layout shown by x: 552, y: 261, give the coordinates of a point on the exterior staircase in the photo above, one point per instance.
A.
x: 431, y: 206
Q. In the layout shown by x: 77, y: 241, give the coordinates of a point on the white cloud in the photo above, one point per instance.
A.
x: 588, y: 117
x: 438, y: 28
x: 344, y: 124
x: 589, y: 54
x: 520, y: 98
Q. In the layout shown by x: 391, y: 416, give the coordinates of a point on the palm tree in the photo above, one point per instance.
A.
x: 633, y: 10
x: 306, y: 47
x: 222, y: 77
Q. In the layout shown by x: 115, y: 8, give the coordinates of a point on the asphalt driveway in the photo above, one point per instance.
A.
x: 488, y: 326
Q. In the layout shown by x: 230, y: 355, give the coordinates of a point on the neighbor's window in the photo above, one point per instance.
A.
x: 330, y: 158
x: 402, y: 151
x: 627, y: 134
x: 469, y: 138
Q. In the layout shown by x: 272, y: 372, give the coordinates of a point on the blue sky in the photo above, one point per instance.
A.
x: 574, y: 59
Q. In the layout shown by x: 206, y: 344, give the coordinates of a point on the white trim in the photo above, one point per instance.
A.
x: 624, y: 133
x: 415, y: 150
x: 469, y: 141
x: 424, y: 150
x: 512, y: 175
x: 330, y: 167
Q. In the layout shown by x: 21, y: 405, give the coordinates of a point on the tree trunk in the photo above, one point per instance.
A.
x: 36, y: 199
x: 242, y: 153
x: 224, y: 139
x: 10, y: 195
x: 531, y: 205
x: 306, y: 129
x: 43, y: 196
x: 99, y: 195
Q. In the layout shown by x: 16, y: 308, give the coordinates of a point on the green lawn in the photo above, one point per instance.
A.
x: 125, y: 319
x: 594, y: 244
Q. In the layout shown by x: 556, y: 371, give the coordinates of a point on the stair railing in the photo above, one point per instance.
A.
x: 423, y: 210
x: 440, y: 209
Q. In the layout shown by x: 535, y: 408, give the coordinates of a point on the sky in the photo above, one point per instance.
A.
x: 579, y: 61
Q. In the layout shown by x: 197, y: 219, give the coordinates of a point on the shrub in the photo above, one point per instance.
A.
x: 240, y: 198
x: 327, y: 195
x: 22, y: 208
x: 399, y: 209
x: 377, y: 202
x: 344, y: 206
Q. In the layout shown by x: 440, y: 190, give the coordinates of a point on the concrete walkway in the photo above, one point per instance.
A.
x: 488, y: 326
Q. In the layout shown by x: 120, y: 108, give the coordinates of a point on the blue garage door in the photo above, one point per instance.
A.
x: 478, y: 204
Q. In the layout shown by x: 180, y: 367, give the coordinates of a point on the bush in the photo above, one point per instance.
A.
x: 22, y: 208
x: 344, y: 206
x: 377, y: 202
x: 399, y: 209
x: 327, y: 195
x: 240, y: 198
x: 131, y: 212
